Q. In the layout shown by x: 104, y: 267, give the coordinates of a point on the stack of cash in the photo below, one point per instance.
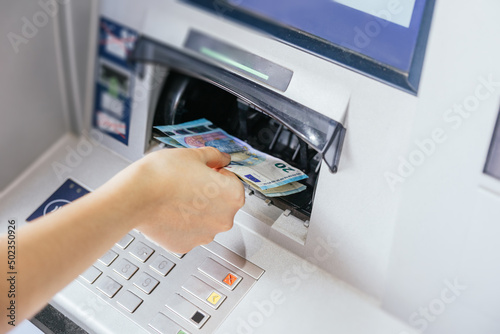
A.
x: 267, y: 174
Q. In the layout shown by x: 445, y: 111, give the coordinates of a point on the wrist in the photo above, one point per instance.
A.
x: 116, y: 206
x: 132, y: 193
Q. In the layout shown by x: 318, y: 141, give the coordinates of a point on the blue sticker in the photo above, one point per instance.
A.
x: 252, y: 178
x: 67, y: 193
x: 114, y: 80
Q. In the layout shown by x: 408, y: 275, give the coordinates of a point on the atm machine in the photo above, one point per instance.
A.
x: 389, y: 107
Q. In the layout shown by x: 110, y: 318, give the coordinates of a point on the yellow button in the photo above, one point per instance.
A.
x: 214, y: 298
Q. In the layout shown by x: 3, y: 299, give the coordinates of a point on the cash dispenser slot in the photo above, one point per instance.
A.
x: 268, y: 121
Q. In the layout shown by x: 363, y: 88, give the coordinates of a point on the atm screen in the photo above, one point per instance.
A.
x: 385, y: 39
x: 362, y: 26
x: 398, y: 12
x: 492, y: 167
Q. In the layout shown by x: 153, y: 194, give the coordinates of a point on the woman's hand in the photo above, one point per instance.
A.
x: 181, y: 198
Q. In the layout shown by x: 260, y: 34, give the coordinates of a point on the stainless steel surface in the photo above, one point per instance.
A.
x: 154, y: 275
x: 141, y: 251
x: 108, y: 258
x: 187, y: 311
x: 234, y: 259
x: 204, y: 292
x: 125, y: 268
x: 177, y: 255
x: 162, y: 265
x: 146, y: 283
x: 164, y: 325
x: 129, y: 301
x: 125, y: 241
x: 91, y: 274
x: 220, y: 274
x: 108, y: 286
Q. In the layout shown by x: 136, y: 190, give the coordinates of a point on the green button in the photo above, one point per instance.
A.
x: 181, y: 332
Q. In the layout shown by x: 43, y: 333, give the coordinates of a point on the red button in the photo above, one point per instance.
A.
x: 230, y: 279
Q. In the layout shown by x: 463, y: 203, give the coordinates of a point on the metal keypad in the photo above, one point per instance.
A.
x: 108, y: 258
x: 165, y: 292
x: 162, y: 265
x: 125, y: 241
x: 146, y: 283
x: 141, y: 251
x: 109, y: 286
x: 125, y: 268
x: 91, y: 274
x: 129, y: 301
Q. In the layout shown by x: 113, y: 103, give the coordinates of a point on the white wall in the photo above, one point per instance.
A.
x: 31, y: 105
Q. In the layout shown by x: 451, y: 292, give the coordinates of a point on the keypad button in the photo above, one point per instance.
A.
x: 108, y: 258
x: 146, y: 283
x: 187, y: 310
x: 204, y: 292
x: 234, y: 259
x: 125, y: 241
x: 141, y: 251
x: 198, y: 317
x: 230, y: 279
x: 214, y: 298
x: 125, y: 268
x: 129, y: 301
x: 162, y: 265
x: 177, y: 255
x: 108, y: 286
x: 220, y: 274
x: 91, y: 274
x: 162, y: 324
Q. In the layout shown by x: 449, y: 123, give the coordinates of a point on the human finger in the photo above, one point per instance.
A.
x: 227, y: 173
x: 214, y: 158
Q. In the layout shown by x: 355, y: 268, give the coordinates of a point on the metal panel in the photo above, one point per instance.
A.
x: 31, y: 90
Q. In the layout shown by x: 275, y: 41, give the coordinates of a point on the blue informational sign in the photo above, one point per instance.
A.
x: 114, y: 80
x: 67, y: 193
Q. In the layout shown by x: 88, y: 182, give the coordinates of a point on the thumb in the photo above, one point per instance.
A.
x: 214, y: 158
x: 227, y: 173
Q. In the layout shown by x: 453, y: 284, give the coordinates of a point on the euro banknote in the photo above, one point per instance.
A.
x: 285, y: 190
x: 267, y: 174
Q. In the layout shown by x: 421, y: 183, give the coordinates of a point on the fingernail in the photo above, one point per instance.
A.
x: 226, y: 155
